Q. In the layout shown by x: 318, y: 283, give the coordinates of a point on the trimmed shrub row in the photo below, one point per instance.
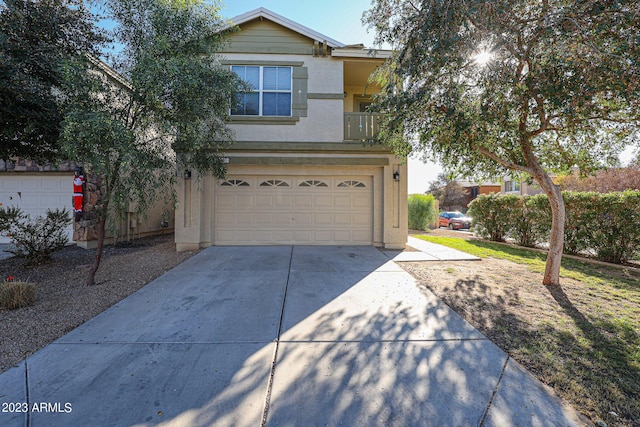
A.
x: 605, y: 225
x: 422, y: 211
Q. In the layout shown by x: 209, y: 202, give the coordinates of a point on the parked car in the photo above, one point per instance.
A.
x: 454, y: 220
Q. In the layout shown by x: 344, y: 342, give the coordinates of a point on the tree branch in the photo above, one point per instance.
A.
x: 496, y: 158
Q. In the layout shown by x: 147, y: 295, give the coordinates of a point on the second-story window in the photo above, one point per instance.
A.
x: 270, y: 93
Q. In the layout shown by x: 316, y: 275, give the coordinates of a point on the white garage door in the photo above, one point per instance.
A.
x: 34, y: 194
x: 316, y: 210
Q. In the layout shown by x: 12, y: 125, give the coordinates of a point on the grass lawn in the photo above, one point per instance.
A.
x: 582, y: 338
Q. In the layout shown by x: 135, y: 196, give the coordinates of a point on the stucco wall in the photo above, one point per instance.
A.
x: 324, y: 116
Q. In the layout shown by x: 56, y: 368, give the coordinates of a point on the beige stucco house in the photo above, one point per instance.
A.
x: 301, y: 170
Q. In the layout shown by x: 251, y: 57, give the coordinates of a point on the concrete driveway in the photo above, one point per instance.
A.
x: 277, y: 336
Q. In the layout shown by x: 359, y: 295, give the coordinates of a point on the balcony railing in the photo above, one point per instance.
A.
x: 360, y: 126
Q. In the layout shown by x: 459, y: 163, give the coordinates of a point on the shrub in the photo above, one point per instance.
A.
x: 615, y: 232
x: 493, y: 215
x: 17, y: 294
x: 581, y: 210
x: 35, y: 239
x: 422, y: 211
x: 606, y: 225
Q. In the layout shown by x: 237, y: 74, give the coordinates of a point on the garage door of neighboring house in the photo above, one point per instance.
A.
x: 34, y: 194
x: 315, y: 210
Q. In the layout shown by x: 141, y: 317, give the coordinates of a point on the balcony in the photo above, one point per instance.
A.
x: 360, y: 126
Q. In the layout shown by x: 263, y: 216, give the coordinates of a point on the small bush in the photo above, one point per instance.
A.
x: 531, y: 220
x: 615, y: 232
x: 422, y: 211
x: 35, y: 239
x: 17, y: 294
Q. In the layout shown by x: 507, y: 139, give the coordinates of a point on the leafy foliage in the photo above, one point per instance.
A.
x: 606, y: 225
x: 487, y: 87
x: 605, y: 181
x: 422, y: 211
x: 168, y: 111
x: 491, y: 215
x: 449, y: 193
x: 37, y: 38
x: 35, y: 239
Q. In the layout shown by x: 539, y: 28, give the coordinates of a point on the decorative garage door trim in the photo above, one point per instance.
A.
x: 299, y: 209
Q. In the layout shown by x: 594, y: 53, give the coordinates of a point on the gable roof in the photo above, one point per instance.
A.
x: 287, y: 23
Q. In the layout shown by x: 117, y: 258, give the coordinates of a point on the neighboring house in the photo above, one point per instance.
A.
x: 474, y: 189
x: 35, y: 188
x: 301, y: 170
x: 518, y: 186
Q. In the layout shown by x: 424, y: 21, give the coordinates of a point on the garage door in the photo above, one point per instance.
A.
x: 35, y: 193
x: 313, y: 210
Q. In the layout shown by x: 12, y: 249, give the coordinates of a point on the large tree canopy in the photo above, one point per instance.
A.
x: 535, y: 86
x: 170, y: 109
x: 36, y: 39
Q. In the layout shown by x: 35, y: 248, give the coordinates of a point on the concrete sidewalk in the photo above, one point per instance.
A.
x: 277, y: 336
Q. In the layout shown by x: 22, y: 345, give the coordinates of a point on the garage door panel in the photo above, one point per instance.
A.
x: 284, y: 201
x: 342, y: 218
x: 323, y: 218
x: 361, y: 201
x: 303, y: 219
x: 305, y: 236
x: 323, y: 236
x: 227, y: 200
x: 243, y: 201
x: 305, y: 201
x: 244, y: 218
x: 323, y: 201
x: 264, y: 201
x: 282, y: 218
x: 361, y: 220
x: 360, y: 235
x: 342, y: 201
x: 312, y: 210
x: 264, y: 218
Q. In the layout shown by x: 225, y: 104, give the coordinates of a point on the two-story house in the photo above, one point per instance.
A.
x: 301, y: 170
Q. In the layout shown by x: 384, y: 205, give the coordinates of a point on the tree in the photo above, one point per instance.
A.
x: 170, y: 110
x: 606, y: 181
x: 36, y: 39
x: 494, y: 86
x: 449, y: 193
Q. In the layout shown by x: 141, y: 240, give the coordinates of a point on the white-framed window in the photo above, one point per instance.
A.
x: 511, y: 186
x: 270, y: 93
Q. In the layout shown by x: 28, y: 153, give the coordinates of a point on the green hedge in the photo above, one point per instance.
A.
x: 605, y: 225
x: 422, y: 211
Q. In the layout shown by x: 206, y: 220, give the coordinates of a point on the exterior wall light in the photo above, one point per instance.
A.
x: 396, y: 176
x: 187, y: 174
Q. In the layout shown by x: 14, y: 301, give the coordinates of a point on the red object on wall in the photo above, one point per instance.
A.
x: 78, y: 193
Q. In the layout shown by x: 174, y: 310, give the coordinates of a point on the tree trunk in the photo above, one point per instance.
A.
x: 91, y: 278
x: 556, y: 237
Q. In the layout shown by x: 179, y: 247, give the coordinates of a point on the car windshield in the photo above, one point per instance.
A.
x: 456, y: 215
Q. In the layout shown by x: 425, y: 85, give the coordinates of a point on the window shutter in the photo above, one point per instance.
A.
x: 299, y: 92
